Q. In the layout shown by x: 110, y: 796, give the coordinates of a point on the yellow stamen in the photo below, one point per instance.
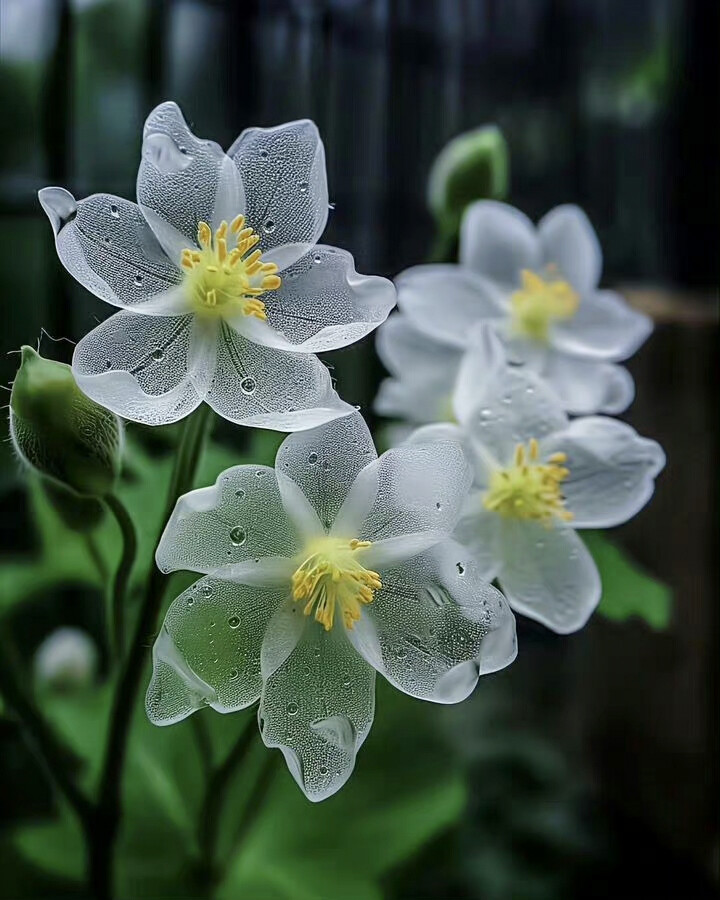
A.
x: 529, y: 488
x: 225, y: 280
x: 330, y: 576
x: 540, y: 302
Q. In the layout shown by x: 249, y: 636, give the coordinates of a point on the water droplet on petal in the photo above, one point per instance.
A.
x: 461, y: 568
x: 238, y: 535
x: 303, y: 185
x: 158, y: 353
x: 317, y: 260
x: 269, y: 226
x: 313, y: 458
x: 233, y: 621
x: 248, y: 385
x: 114, y: 211
x: 206, y: 590
x: 292, y: 709
x: 240, y: 494
x: 138, y: 279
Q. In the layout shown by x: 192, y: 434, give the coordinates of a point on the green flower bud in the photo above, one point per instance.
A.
x: 59, y: 431
x: 473, y: 166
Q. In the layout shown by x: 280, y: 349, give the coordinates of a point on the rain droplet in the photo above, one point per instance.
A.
x: 317, y: 260
x: 263, y: 154
x: 190, y: 601
x: 114, y: 211
x: 240, y: 494
x: 438, y: 506
x: 303, y: 187
x: 238, y: 535
x: 158, y: 353
x: 292, y: 709
x: 234, y: 673
x: 323, y: 770
x: 313, y: 458
x: 461, y: 568
x: 248, y: 385
x: 401, y: 653
x: 206, y: 590
x: 269, y: 226
x: 233, y: 621
x: 485, y: 413
x: 138, y: 279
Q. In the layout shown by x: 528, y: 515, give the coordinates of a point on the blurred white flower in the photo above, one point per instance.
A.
x: 537, y: 477
x: 226, y: 297
x: 66, y: 660
x: 318, y: 573
x: 538, y: 289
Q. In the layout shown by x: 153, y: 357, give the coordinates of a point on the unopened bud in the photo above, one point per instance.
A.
x: 59, y: 431
x: 66, y: 660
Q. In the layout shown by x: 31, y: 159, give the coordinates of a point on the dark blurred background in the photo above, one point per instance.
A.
x: 595, y: 764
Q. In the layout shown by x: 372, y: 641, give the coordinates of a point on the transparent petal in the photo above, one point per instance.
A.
x: 324, y: 462
x: 317, y: 708
x: 586, y: 386
x: 604, y: 327
x: 498, y: 241
x: 208, y: 650
x: 106, y: 244
x: 268, y: 388
x: 446, y: 301
x: 438, y: 431
x: 511, y: 408
x: 321, y: 305
x: 426, y: 628
x: 568, y: 241
x: 183, y: 180
x: 548, y: 574
x: 240, y: 517
x: 484, y: 362
x: 478, y: 530
x: 424, y: 371
x: 612, y: 470
x: 406, y: 491
x: 150, y: 369
x: 283, y: 174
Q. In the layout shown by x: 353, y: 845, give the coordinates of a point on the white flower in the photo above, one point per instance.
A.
x: 538, y: 288
x: 226, y: 297
x: 538, y: 477
x: 319, y: 572
x: 66, y: 660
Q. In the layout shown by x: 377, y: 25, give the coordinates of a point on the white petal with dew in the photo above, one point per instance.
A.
x: 612, y: 470
x: 241, y: 517
x: 548, y: 574
x: 317, y: 708
x: 426, y: 628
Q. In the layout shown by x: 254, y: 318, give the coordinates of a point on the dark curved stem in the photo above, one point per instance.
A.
x: 51, y: 753
x: 108, y: 813
x: 121, y: 581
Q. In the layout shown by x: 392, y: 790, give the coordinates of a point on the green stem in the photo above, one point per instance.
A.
x: 260, y: 788
x: 210, y: 814
x: 121, y: 581
x: 51, y: 753
x: 96, y: 556
x: 108, y: 813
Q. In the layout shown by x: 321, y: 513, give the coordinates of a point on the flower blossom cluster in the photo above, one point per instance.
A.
x: 337, y: 564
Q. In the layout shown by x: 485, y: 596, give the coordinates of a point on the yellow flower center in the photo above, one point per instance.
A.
x: 541, y: 301
x: 226, y: 281
x: 529, y: 489
x: 331, y: 577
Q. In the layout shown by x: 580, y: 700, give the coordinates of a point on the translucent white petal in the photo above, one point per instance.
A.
x: 498, y: 242
x: 406, y: 491
x: 150, y: 369
x: 568, y: 241
x: 240, y: 517
x: 183, y: 180
x: 425, y: 630
x: 268, y: 388
x: 321, y: 305
x: 283, y: 174
x: 324, y: 462
x: 512, y: 408
x: 424, y: 371
x: 483, y: 362
x: 298, y: 508
x: 586, y: 386
x: 548, y: 574
x: 317, y: 708
x: 208, y: 650
x: 446, y: 301
x: 106, y: 244
x: 439, y: 431
x: 604, y: 327
x: 612, y: 470
x: 478, y: 530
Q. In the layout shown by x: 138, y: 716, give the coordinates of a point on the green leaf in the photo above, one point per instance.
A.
x: 627, y: 590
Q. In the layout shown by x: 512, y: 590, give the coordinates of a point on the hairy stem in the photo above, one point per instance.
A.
x: 121, y: 581
x: 108, y: 813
